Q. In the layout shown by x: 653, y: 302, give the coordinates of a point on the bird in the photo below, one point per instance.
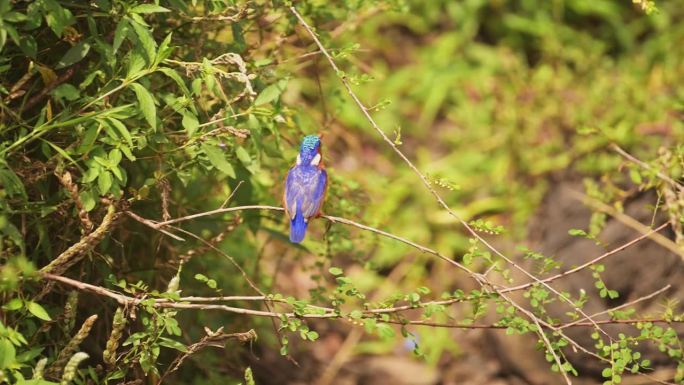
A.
x: 305, y: 187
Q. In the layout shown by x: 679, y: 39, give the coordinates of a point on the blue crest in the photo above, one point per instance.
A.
x: 310, y: 143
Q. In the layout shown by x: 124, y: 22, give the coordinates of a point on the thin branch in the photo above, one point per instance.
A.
x: 629, y: 221
x: 646, y: 166
x: 266, y: 303
x: 125, y: 300
x: 559, y: 326
x: 215, y: 339
x: 223, y: 205
x: 331, y: 218
x: 214, y: 212
x: 237, y: 16
x: 157, y: 225
x: 587, y: 264
x: 616, y: 308
x: 152, y: 225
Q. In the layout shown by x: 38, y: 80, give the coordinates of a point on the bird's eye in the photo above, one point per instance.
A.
x: 316, y: 160
x: 299, y: 160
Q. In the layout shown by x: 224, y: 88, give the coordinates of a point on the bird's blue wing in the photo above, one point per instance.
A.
x: 304, y: 191
x: 321, y: 188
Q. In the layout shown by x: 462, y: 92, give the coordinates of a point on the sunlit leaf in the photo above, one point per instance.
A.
x: 37, y: 310
x: 148, y: 8
x: 146, y: 39
x: 122, y: 29
x: 146, y: 103
x: 217, y: 158
x: 270, y: 93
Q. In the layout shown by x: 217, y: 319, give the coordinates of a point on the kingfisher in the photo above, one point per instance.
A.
x: 305, y: 187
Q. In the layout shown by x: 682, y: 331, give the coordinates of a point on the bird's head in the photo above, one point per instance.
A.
x: 310, y: 151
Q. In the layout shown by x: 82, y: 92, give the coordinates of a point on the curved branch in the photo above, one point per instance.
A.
x: 160, y: 225
x: 330, y: 313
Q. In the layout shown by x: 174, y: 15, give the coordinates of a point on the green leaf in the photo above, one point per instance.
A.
x: 65, y: 91
x: 38, y: 311
x: 174, y: 75
x: 270, y: 93
x: 14, y: 17
x: 115, y: 157
x: 3, y: 37
x: 249, y: 377
x: 243, y: 155
x: 635, y: 176
x: 217, y: 159
x: 57, y: 17
x: 121, y: 128
x: 28, y: 46
x: 335, y: 271
x: 146, y: 39
x: 88, y: 200
x: 7, y: 354
x: 577, y: 233
x: 104, y: 182
x: 169, y: 343
x: 136, y: 64
x: 62, y: 153
x: 148, y: 8
x: 164, y: 50
x: 13, y: 304
x: 190, y: 122
x: 74, y: 54
x: 120, y: 33
x: 385, y: 331
x: 28, y: 355
x: 146, y: 103
x: 414, y: 297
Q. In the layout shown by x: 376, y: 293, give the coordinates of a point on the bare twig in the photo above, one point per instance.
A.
x: 152, y: 225
x: 266, y: 303
x: 232, y: 193
x: 629, y: 221
x: 646, y: 166
x: 616, y: 308
x: 157, y: 225
x: 215, y: 339
x: 125, y: 300
x: 237, y: 16
x: 589, y: 263
x: 328, y: 217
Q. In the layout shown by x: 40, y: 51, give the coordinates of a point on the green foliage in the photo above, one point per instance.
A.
x: 112, y: 111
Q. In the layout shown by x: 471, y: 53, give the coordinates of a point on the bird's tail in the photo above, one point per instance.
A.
x: 298, y: 227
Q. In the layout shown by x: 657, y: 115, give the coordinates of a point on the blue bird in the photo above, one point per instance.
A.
x: 305, y: 187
